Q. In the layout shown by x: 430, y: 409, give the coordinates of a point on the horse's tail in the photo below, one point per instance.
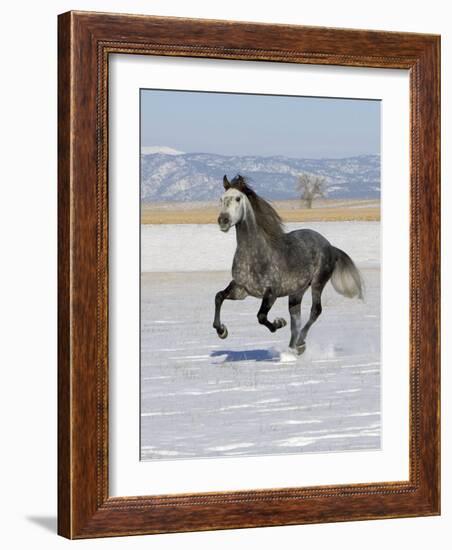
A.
x: 346, y: 279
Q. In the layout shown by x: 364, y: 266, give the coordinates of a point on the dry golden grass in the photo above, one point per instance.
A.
x: 290, y: 211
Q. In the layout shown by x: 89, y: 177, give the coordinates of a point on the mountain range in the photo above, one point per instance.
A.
x: 171, y: 175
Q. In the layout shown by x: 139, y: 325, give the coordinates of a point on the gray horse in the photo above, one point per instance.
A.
x: 270, y: 263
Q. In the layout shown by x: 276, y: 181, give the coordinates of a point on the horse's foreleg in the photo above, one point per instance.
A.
x: 232, y: 292
x: 268, y: 300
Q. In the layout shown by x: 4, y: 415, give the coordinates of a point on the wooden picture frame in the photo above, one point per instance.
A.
x: 85, y: 42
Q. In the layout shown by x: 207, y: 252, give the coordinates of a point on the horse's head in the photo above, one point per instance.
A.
x: 233, y: 206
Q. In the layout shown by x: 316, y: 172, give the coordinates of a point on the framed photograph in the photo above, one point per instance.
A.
x: 248, y: 275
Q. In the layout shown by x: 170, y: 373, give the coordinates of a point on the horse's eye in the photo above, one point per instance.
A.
x: 237, y: 199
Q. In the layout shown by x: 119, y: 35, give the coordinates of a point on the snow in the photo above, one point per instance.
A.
x: 163, y: 150
x: 249, y: 395
x: 190, y: 247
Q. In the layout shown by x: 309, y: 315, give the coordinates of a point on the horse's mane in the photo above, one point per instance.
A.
x: 265, y: 215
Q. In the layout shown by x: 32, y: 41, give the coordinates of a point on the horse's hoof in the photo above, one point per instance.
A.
x: 300, y: 348
x: 222, y: 332
x: 279, y: 323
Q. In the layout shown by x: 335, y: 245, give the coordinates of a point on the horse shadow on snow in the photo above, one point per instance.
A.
x: 231, y: 356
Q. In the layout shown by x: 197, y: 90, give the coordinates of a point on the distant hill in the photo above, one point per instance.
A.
x: 168, y: 175
x: 156, y: 149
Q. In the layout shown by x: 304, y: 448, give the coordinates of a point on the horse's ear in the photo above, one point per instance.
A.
x: 239, y: 182
x: 226, y: 183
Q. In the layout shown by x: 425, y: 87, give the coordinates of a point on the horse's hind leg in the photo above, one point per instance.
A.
x: 268, y: 300
x: 316, y: 310
x: 295, y: 317
x: 232, y: 292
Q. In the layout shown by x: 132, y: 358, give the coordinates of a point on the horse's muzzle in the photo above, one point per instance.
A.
x: 224, y: 222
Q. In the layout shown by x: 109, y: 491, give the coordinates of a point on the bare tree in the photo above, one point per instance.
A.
x: 311, y: 187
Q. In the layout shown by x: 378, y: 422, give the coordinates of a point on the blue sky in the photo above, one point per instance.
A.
x: 241, y: 124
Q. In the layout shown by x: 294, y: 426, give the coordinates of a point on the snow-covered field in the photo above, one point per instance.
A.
x: 189, y: 247
x: 247, y: 395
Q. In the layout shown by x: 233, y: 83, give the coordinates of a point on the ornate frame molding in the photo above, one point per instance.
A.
x: 85, y: 42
